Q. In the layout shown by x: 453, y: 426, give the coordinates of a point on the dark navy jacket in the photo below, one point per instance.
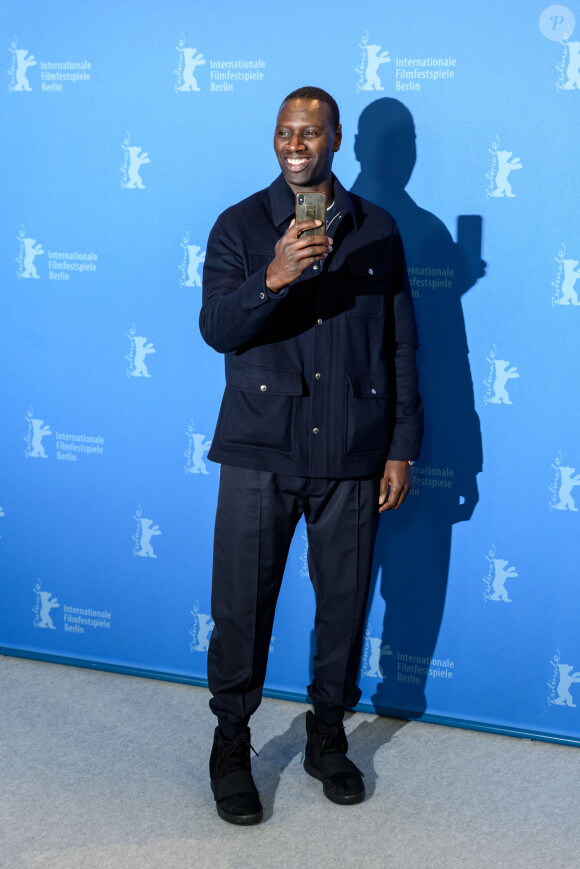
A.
x: 321, y: 378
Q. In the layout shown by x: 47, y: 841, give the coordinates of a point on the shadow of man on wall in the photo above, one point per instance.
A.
x: 414, y: 544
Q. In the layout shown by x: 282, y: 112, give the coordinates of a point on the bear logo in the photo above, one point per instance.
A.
x: 136, y: 160
x: 141, y: 351
x: 502, y: 375
x: 374, y: 60
x: 47, y: 603
x: 563, y: 687
x: 39, y: 430
x: 31, y: 251
x: 573, y: 69
x: 505, y: 166
x: 200, y: 447
x: 195, y: 259
x: 567, y: 483
x: 569, y: 295
x: 23, y: 62
x: 205, y: 625
x: 148, y: 530
x: 191, y: 61
x: 499, y: 579
x: 376, y: 652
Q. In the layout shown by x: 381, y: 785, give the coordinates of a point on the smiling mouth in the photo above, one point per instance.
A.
x: 297, y: 164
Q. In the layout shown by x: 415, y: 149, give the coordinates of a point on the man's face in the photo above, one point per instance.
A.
x: 305, y: 142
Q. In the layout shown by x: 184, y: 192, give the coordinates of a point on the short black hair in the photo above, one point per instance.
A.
x: 312, y: 93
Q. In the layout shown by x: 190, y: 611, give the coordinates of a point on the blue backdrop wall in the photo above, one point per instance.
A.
x: 129, y: 127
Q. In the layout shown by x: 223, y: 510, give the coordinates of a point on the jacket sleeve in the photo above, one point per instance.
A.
x: 236, y: 305
x: 408, y: 429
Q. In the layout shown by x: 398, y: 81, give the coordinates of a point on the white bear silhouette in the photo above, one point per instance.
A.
x: 377, y: 650
x: 200, y: 446
x: 500, y: 576
x: 195, y: 260
x: 147, y: 532
x: 136, y: 160
x: 47, y: 603
x: 567, y: 483
x: 374, y: 60
x: 563, y: 688
x: 192, y: 61
x: 39, y: 430
x: 205, y: 627
x: 573, y: 69
x: 502, y: 375
x: 141, y: 351
x: 22, y: 65
x: 31, y: 250
x: 503, y: 187
x: 569, y: 294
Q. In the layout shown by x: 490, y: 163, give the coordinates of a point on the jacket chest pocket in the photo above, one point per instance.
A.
x: 369, y: 409
x: 366, y: 286
x: 260, y: 406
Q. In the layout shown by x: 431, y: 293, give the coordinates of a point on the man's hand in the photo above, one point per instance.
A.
x: 396, y: 483
x: 294, y: 254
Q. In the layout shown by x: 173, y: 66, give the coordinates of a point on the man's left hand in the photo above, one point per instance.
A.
x: 396, y: 483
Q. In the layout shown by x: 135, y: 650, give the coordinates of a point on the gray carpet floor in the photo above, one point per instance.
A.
x: 103, y: 771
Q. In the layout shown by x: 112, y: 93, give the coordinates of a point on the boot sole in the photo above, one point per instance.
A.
x: 340, y: 799
x: 241, y: 820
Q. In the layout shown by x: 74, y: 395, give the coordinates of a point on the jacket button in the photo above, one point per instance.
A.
x: 373, y: 390
x: 317, y: 375
x: 262, y: 295
x: 371, y: 272
x: 315, y: 268
x: 315, y: 431
x: 263, y: 387
x: 319, y: 322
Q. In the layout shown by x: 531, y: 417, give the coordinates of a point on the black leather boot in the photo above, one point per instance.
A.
x: 236, y: 795
x: 325, y: 759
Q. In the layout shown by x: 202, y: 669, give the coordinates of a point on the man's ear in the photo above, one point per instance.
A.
x: 337, y: 138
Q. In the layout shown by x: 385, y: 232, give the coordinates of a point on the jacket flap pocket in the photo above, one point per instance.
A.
x: 255, y: 378
x: 369, y: 385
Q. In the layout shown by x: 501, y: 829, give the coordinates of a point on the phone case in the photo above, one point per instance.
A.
x: 311, y: 206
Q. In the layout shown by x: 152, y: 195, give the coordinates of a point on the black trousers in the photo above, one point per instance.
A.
x: 256, y: 518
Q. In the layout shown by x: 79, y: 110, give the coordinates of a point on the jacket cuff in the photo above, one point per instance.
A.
x: 256, y: 292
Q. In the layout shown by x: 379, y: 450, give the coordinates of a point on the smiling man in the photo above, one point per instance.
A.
x: 320, y: 417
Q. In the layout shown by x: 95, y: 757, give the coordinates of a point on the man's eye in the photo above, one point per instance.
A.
x: 283, y: 133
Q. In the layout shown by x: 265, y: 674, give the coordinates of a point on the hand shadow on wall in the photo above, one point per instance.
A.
x: 413, y: 544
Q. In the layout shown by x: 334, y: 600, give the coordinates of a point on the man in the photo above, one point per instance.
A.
x: 320, y: 416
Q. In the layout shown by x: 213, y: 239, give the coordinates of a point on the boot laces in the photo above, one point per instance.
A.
x: 333, y: 738
x: 237, y: 753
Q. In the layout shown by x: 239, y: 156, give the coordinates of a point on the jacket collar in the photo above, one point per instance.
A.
x: 282, y: 200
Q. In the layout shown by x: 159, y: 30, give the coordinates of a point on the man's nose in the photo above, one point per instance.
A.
x: 296, y: 143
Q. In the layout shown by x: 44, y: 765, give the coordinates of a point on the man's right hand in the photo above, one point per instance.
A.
x: 294, y: 254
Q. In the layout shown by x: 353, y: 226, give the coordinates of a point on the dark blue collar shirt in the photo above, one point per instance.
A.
x: 321, y: 379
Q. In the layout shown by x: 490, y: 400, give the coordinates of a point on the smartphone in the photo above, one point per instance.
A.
x: 311, y: 206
